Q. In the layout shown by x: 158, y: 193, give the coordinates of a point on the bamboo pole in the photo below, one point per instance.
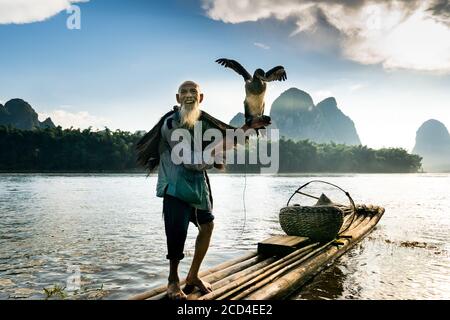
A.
x: 360, y: 218
x: 270, y: 275
x: 247, y: 264
x: 302, y: 274
x: 226, y: 264
x: 289, y: 257
x: 223, y: 282
x: 290, y: 282
x: 231, y: 276
x: 350, y: 233
x: 216, y: 276
x: 350, y: 221
x: 260, y: 284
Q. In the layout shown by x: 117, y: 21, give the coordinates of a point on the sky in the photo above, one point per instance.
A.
x: 118, y: 63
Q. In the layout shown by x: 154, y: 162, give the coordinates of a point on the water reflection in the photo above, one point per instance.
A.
x: 111, y: 227
x: 326, y: 286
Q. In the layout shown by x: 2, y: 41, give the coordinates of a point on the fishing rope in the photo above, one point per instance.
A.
x: 243, y: 198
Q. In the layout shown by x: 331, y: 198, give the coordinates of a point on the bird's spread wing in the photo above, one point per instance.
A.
x: 277, y: 73
x: 236, y: 66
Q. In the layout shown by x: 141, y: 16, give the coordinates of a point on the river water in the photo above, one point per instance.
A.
x: 102, y: 236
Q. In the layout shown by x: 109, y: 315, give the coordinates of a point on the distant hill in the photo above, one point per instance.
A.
x: 433, y: 144
x: 19, y: 114
x: 238, y: 120
x: 297, y: 118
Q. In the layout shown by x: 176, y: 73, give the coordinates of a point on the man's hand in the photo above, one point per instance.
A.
x: 220, y: 149
x: 258, y: 123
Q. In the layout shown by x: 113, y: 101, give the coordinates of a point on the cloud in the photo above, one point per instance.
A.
x: 262, y: 45
x: 356, y: 87
x: 82, y: 119
x: 27, y: 11
x: 398, y: 34
x: 441, y: 10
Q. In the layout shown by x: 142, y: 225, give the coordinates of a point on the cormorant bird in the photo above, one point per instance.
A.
x: 255, y: 87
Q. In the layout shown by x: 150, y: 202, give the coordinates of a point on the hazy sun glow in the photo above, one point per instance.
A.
x: 416, y: 42
x: 419, y: 43
x: 396, y: 34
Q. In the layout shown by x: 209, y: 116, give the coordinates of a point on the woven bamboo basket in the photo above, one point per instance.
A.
x: 321, y: 222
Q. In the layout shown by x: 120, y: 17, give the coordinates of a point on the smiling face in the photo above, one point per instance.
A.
x: 189, y: 97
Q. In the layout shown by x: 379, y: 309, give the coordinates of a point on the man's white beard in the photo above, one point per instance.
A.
x: 189, y: 116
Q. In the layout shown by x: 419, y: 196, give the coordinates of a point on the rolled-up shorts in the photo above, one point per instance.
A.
x: 177, y: 215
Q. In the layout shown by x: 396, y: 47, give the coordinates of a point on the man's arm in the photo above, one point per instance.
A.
x: 231, y: 142
x: 184, y: 144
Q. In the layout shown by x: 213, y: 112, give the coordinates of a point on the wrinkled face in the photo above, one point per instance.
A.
x: 189, y: 95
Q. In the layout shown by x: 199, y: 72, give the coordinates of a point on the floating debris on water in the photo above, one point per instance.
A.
x: 416, y: 244
x: 56, y: 291
x: 411, y: 244
x: 6, y: 283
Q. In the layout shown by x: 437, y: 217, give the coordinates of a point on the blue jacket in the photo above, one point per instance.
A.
x: 186, y: 181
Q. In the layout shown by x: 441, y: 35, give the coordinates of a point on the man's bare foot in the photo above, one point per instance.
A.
x: 174, y: 291
x: 203, y: 286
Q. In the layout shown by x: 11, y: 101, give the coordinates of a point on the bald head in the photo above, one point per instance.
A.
x: 189, y: 84
x: 189, y: 94
x: 189, y: 98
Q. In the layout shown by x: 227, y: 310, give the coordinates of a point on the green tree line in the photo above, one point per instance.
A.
x: 66, y: 150
x: 307, y: 156
x: 71, y: 150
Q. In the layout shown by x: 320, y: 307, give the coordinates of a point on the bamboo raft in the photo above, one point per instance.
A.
x: 281, y: 265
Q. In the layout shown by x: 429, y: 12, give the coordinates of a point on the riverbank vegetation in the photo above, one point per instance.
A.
x: 75, y: 150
